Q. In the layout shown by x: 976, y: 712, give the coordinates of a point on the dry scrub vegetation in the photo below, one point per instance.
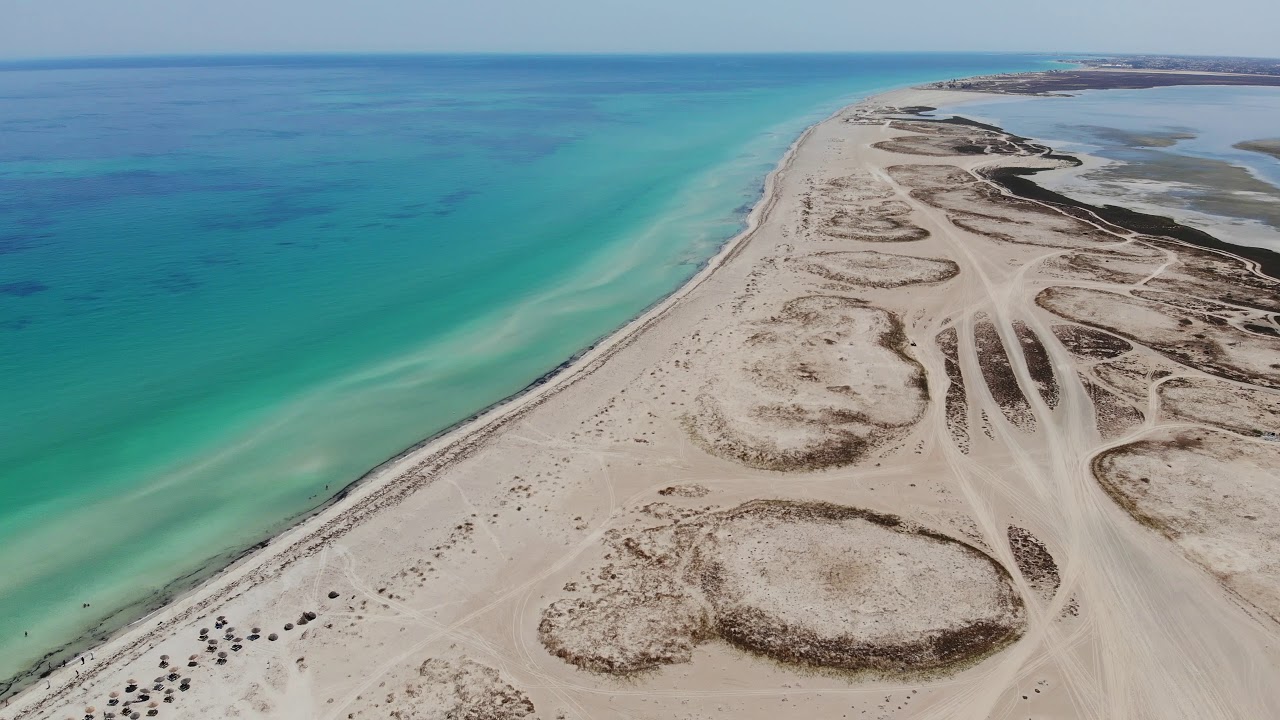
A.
x: 456, y: 688
x: 957, y: 404
x: 859, y: 208
x: 1204, y: 342
x: 1216, y: 495
x: 1240, y: 409
x: 808, y: 583
x: 998, y: 372
x: 880, y: 270
x: 818, y: 384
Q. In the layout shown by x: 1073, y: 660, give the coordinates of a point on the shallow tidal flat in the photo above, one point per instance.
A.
x: 913, y: 448
x: 1270, y: 146
x: 1200, y: 153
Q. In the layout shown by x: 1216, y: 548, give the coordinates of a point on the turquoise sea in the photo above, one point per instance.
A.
x: 230, y: 286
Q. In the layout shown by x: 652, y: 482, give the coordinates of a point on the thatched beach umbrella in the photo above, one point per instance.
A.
x: 273, y: 637
x: 113, y: 697
x: 333, y: 594
x: 131, y: 685
x: 193, y: 661
x: 288, y: 626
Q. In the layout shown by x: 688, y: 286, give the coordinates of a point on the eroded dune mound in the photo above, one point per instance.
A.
x: 881, y: 270
x: 983, y: 210
x: 944, y: 140
x: 810, y: 583
x: 1244, y: 410
x: 446, y: 689
x: 1089, y: 344
x: 1216, y: 495
x: 1197, y: 340
x: 859, y: 207
x: 816, y: 385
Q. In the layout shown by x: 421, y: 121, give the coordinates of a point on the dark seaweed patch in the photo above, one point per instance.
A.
x: 23, y: 288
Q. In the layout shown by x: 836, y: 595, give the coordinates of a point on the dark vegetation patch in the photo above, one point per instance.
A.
x: 1204, y: 342
x: 1257, y: 329
x: 1252, y: 412
x: 880, y: 270
x: 1089, y: 344
x: 882, y: 222
x: 957, y: 404
x: 669, y: 588
x: 1016, y: 180
x: 1038, y: 363
x: 1114, y: 416
x: 1066, y: 81
x: 1132, y: 375
x: 1215, y: 276
x: 998, y: 372
x: 799, y: 412
x: 1184, y: 302
x: 1095, y: 266
x: 938, y: 139
x: 1034, y: 562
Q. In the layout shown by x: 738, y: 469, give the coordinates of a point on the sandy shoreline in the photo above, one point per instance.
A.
x: 643, y: 475
x: 455, y: 441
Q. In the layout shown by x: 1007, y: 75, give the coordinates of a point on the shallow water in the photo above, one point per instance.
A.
x: 1165, y: 149
x: 228, y: 287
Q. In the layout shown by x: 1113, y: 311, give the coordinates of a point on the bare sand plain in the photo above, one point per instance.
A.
x: 910, y: 448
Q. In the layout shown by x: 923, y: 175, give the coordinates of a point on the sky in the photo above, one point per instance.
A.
x: 62, y: 28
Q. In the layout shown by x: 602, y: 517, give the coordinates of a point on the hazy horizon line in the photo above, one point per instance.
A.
x: 572, y: 53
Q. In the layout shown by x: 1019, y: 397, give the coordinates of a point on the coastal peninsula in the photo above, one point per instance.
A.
x: 925, y: 441
x: 1269, y: 146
